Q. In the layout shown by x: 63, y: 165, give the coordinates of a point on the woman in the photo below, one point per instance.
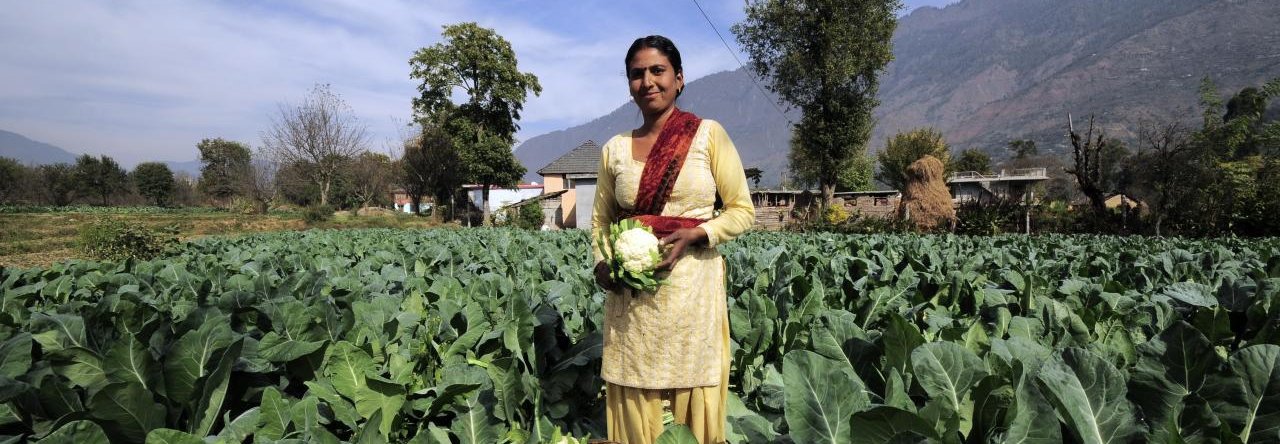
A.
x: 669, y: 348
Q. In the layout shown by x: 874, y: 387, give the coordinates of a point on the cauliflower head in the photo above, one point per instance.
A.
x: 637, y: 249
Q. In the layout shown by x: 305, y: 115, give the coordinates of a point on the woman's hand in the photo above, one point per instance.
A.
x: 604, y: 277
x: 679, y: 241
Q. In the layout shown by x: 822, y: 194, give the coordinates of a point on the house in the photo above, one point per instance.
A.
x: 1014, y: 185
x: 501, y: 197
x: 400, y: 201
x: 548, y: 212
x: 575, y: 173
x: 777, y: 208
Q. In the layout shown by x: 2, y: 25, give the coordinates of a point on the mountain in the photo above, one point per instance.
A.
x: 986, y: 72
x: 757, y: 126
x: 26, y: 151
x: 29, y: 152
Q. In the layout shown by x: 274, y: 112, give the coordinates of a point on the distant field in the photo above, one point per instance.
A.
x: 38, y: 237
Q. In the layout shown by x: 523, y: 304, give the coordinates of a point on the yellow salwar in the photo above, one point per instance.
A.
x: 673, y: 344
x: 634, y: 415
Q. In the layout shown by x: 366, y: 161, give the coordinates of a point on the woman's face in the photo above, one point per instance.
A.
x: 654, y: 83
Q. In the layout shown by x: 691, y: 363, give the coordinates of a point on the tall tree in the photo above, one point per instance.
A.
x: 430, y: 167
x: 100, y: 176
x: 480, y: 64
x: 154, y: 181
x: 224, y: 167
x: 322, y: 131
x: 59, y: 183
x: 825, y: 58
x: 972, y: 159
x: 904, y: 148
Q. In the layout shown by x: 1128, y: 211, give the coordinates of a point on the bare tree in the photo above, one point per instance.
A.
x: 1163, y: 168
x: 1088, y: 164
x: 260, y: 183
x: 321, y: 131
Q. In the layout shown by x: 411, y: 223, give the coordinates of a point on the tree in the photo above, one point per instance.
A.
x: 293, y: 181
x: 753, y: 174
x: 856, y: 175
x: 903, y: 149
x: 371, y: 175
x: 430, y: 166
x: 11, y: 173
x: 973, y: 159
x: 1023, y: 148
x: 322, y: 131
x: 224, y: 167
x: 154, y: 181
x: 260, y: 183
x: 1163, y: 169
x: 481, y: 64
x: 1096, y: 162
x: 59, y: 183
x: 101, y: 177
x: 823, y: 57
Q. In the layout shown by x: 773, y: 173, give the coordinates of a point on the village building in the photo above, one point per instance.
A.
x: 574, y: 173
x: 501, y: 197
x: 1008, y: 185
x: 400, y: 201
x: 775, y: 209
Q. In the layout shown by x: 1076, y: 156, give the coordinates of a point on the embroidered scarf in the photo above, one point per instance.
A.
x: 661, y: 169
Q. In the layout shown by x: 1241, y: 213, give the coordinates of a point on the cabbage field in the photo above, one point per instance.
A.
x: 483, y: 336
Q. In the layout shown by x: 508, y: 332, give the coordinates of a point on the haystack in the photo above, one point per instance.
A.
x: 926, y: 202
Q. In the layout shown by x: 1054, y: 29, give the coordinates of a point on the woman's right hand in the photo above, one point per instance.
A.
x: 604, y: 277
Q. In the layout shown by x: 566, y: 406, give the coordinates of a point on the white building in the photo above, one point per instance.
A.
x: 501, y: 197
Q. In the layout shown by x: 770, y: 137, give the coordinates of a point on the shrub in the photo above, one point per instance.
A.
x: 989, y: 219
x: 114, y: 240
x: 528, y: 216
x: 317, y: 213
x: 835, y: 215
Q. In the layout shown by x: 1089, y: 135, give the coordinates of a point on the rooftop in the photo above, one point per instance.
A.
x: 1029, y: 174
x: 585, y: 159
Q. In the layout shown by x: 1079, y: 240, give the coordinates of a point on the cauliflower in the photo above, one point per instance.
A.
x: 638, y: 250
x: 633, y: 254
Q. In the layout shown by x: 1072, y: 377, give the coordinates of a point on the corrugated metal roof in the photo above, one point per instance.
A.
x: 585, y: 159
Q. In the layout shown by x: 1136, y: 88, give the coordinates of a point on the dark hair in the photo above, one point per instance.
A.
x: 663, y: 45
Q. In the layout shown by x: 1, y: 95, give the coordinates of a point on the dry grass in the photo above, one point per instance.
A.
x: 40, y: 239
x: 925, y: 198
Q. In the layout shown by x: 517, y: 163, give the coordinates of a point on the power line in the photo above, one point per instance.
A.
x: 740, y: 64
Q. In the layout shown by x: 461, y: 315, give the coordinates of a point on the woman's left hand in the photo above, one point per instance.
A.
x: 679, y: 241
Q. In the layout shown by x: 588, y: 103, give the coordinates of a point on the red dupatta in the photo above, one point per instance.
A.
x: 661, y: 169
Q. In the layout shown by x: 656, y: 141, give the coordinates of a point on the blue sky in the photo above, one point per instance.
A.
x: 147, y: 80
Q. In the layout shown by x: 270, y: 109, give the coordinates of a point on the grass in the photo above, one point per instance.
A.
x: 38, y: 239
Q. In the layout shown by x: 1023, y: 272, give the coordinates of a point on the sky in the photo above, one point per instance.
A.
x: 147, y: 80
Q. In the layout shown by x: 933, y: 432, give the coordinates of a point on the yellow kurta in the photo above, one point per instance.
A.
x: 676, y: 338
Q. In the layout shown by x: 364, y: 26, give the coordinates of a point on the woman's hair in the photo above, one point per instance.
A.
x: 664, y: 46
